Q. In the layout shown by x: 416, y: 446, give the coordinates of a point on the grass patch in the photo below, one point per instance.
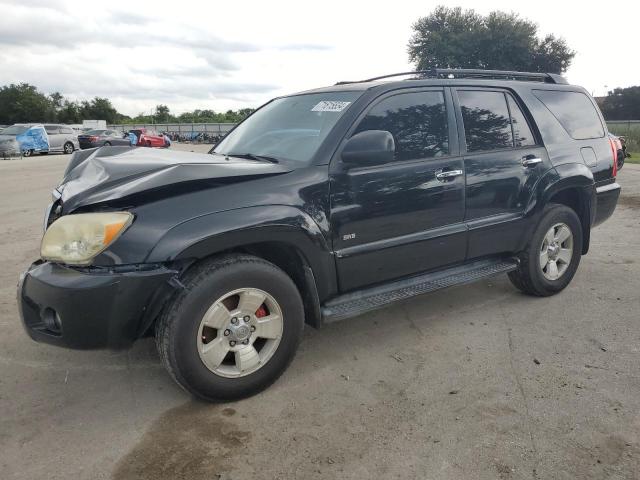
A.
x: 635, y: 158
x: 631, y: 130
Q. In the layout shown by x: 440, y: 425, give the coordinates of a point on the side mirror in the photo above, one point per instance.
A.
x: 371, y: 147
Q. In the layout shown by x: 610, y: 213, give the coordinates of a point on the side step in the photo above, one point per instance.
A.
x: 356, y: 303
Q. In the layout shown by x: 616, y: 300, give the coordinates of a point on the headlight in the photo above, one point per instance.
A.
x: 77, y: 239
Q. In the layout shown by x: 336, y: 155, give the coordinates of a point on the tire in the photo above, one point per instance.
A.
x: 107, y: 144
x: 148, y: 143
x: 532, y: 277
x: 181, y: 331
x: 27, y: 153
x: 68, y: 148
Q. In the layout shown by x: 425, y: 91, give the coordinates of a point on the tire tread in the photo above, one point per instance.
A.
x: 164, y: 329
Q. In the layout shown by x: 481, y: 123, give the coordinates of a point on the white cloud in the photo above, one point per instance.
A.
x: 224, y: 55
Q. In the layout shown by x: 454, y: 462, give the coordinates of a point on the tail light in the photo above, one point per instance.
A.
x: 614, y: 151
x: 93, y: 139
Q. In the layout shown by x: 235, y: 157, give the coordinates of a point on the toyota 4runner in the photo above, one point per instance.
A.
x: 320, y: 206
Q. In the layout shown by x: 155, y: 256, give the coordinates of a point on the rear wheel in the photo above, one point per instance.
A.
x: 107, y: 144
x: 68, y: 148
x: 551, y: 258
x: 148, y: 143
x: 27, y: 153
x: 233, y: 330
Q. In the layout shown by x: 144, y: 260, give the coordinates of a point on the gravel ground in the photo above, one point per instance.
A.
x: 476, y: 382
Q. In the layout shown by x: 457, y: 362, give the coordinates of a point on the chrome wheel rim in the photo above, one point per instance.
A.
x: 556, y: 251
x: 68, y: 148
x: 240, y: 332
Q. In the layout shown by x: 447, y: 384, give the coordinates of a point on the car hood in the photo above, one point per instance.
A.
x: 110, y: 173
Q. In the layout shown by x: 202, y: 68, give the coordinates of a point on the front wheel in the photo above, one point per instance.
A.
x: 550, y: 260
x: 27, y: 153
x: 233, y: 330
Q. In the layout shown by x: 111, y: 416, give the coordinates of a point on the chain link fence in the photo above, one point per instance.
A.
x: 630, y: 129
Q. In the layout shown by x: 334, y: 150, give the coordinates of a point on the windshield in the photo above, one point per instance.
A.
x: 15, y: 130
x: 288, y: 128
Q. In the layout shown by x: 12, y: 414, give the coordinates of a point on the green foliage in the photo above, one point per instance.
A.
x: 99, y: 109
x: 622, y: 104
x: 162, y: 115
x: 456, y: 38
x: 23, y: 103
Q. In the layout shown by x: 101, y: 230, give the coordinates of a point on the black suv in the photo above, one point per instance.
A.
x: 321, y: 205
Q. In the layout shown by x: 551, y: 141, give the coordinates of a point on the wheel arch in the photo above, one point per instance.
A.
x: 571, y: 185
x: 284, y: 236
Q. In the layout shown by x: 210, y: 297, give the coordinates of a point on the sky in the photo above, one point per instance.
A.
x: 234, y: 54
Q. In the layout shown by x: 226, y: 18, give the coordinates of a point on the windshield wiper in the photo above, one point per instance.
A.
x: 253, y: 156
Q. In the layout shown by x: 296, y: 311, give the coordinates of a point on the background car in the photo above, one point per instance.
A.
x: 100, y: 138
x: 27, y: 138
x: 62, y: 139
x: 9, y: 147
x: 148, y: 138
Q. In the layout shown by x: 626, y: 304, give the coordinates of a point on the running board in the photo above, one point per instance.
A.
x: 356, y: 303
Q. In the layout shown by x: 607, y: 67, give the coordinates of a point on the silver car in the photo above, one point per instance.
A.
x: 62, y: 138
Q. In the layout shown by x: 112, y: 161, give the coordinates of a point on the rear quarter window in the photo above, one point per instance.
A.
x: 575, y: 112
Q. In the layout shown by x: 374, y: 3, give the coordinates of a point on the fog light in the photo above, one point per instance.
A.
x: 51, y: 320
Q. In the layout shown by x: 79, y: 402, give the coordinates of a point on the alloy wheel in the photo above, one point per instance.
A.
x: 556, y: 251
x: 240, y: 332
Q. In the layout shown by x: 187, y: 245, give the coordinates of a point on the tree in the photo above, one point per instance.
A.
x: 456, y: 38
x: 99, y: 109
x: 24, y: 103
x: 163, y: 114
x: 622, y: 104
x: 69, y: 112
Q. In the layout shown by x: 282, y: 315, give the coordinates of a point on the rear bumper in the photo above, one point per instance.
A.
x: 606, y: 201
x: 74, y: 309
x: 85, y: 145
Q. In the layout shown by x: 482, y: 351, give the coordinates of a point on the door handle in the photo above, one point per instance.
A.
x: 443, y: 175
x: 531, y: 161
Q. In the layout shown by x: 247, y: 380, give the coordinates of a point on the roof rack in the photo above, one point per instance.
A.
x: 471, y: 73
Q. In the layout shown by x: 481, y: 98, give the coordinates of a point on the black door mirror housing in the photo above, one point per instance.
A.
x: 371, y: 147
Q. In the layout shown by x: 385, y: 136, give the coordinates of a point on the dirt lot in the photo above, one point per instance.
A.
x: 475, y: 382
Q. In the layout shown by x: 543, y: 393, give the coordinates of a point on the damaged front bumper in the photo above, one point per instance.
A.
x: 93, y: 307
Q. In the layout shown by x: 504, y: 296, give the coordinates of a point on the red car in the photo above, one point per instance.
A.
x: 148, y: 138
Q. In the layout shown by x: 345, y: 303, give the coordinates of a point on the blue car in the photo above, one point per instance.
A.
x: 24, y: 139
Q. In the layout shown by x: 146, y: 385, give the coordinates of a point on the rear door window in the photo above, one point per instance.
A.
x: 417, y: 121
x: 522, y: 134
x: 486, y: 120
x: 575, y: 112
x: 52, y: 129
